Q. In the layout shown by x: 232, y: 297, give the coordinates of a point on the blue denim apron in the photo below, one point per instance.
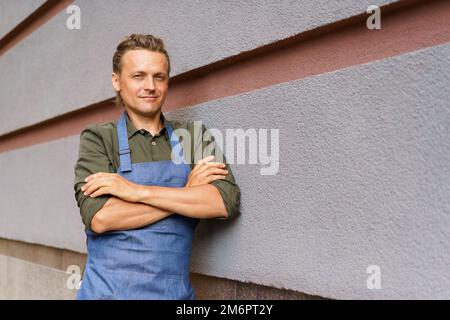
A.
x: 147, y: 263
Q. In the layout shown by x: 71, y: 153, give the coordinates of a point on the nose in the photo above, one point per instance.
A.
x: 149, y: 84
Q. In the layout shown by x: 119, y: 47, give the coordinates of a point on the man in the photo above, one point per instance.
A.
x: 140, y: 202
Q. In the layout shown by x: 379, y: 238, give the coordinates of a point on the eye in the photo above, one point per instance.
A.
x: 137, y: 76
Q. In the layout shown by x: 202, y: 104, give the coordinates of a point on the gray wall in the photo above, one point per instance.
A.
x: 12, y: 12
x: 364, y: 180
x: 54, y: 63
x: 364, y: 151
x: 20, y: 279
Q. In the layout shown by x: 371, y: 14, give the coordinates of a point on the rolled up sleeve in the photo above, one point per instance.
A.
x: 92, y: 158
x: 231, y: 194
x: 228, y: 189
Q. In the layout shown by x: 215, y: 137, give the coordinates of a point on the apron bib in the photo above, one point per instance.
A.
x: 147, y: 263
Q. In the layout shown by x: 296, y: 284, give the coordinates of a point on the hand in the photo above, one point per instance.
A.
x: 111, y: 183
x: 205, y: 172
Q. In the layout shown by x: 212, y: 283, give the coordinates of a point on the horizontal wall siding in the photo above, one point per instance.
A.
x: 12, y: 12
x: 363, y: 180
x: 63, y: 70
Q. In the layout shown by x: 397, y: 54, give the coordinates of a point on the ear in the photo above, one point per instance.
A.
x: 115, y: 82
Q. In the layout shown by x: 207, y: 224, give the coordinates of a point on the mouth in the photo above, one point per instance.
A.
x: 149, y: 98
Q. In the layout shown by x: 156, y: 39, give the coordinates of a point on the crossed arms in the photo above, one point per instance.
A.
x: 133, y: 205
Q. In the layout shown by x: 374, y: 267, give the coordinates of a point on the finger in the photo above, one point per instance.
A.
x: 213, y: 171
x: 204, y: 161
x: 94, y: 176
x: 199, y: 165
x: 84, y: 187
x: 96, y: 184
x: 208, y: 158
x: 92, y: 188
x: 87, y: 185
x: 91, y: 177
x: 214, y: 177
x: 211, y: 166
x: 99, y: 192
x: 201, y: 169
x: 216, y: 164
x: 90, y: 180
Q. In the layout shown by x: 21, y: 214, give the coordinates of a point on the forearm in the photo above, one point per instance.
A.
x: 118, y: 214
x: 203, y: 201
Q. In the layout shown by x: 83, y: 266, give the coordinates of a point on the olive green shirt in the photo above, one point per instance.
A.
x: 99, y: 152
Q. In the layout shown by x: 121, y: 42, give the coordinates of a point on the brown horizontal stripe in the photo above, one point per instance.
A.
x: 343, y: 44
x: 63, y: 126
x: 41, y: 15
x: 406, y: 26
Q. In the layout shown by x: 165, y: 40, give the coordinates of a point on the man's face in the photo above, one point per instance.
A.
x: 143, y: 81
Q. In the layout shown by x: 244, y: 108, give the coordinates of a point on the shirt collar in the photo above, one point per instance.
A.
x: 131, y: 129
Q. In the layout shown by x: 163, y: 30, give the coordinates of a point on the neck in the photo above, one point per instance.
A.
x: 151, y: 123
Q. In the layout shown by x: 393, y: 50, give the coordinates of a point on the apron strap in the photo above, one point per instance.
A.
x: 124, y: 150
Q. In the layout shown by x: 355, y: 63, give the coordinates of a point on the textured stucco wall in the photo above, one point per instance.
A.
x: 12, y: 12
x: 38, y: 204
x: 63, y: 70
x: 364, y: 180
x: 20, y: 279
